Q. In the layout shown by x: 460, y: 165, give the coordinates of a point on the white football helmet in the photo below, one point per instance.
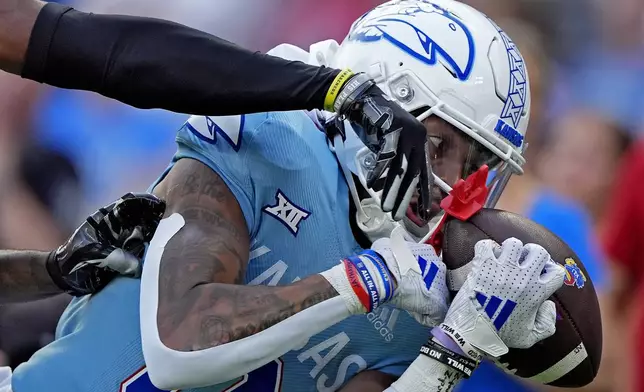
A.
x: 439, y: 58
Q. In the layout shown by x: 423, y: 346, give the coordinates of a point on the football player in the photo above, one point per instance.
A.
x: 109, y: 243
x: 241, y: 288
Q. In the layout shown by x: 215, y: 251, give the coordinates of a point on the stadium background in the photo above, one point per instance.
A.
x: 62, y: 153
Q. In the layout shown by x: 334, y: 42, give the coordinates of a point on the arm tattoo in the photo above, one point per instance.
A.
x: 23, y: 276
x: 202, y: 303
x: 236, y: 312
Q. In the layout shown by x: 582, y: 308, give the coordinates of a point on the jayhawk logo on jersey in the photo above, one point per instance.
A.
x: 574, y: 275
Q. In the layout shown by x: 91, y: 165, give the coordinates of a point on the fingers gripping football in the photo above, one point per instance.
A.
x: 503, y: 302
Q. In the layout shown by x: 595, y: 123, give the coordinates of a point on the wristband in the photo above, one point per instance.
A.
x: 356, y: 285
x: 334, y: 90
x: 370, y: 279
x: 448, y: 357
x: 383, y: 272
x: 466, y: 348
x: 368, y: 282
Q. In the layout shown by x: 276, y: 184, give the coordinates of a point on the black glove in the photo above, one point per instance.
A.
x: 110, y: 243
x: 395, y: 136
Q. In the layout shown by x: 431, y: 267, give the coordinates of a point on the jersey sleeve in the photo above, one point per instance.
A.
x: 225, y: 144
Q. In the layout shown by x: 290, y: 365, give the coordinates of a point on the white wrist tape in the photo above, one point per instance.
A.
x: 337, y: 277
x: 427, y: 375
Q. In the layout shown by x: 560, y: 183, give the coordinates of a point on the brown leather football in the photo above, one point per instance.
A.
x: 570, y: 358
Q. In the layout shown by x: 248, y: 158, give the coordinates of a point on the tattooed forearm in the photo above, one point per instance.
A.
x: 223, y: 313
x: 201, y: 301
x: 23, y: 276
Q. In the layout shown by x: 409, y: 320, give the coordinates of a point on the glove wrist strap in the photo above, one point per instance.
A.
x: 466, y: 348
x: 446, y: 341
x: 353, y: 88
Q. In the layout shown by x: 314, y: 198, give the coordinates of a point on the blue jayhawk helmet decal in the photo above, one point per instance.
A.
x: 378, y: 24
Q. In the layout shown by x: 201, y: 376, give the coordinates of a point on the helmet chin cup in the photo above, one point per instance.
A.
x: 466, y: 198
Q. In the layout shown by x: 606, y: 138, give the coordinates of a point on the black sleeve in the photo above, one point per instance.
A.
x: 152, y: 63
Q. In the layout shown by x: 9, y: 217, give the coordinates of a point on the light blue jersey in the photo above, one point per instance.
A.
x: 296, y: 205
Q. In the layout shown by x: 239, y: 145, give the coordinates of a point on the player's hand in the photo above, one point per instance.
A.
x: 421, y: 278
x: 394, y: 135
x: 504, y: 300
x: 109, y: 243
x: 405, y: 274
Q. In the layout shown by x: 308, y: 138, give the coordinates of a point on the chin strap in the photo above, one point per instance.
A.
x: 370, y: 218
x: 340, y: 152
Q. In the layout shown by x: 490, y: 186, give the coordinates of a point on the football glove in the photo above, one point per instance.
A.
x: 394, y: 135
x: 404, y: 274
x: 109, y: 243
x: 504, y: 300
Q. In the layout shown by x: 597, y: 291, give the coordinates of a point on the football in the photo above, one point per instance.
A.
x: 570, y: 358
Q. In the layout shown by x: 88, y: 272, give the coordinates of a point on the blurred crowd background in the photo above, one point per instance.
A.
x: 65, y: 153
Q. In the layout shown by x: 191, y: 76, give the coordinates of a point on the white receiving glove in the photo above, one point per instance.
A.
x: 421, y: 275
x: 407, y: 275
x: 503, y: 302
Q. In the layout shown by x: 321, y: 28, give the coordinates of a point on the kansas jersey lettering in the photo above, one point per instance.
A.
x: 296, y: 205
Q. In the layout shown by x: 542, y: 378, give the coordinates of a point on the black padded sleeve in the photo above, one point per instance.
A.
x: 153, y: 63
